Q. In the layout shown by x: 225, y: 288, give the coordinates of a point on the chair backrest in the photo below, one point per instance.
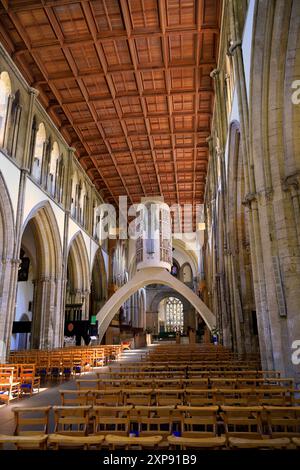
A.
x: 153, y: 420
x: 71, y: 419
x: 30, y: 421
x: 241, y: 421
x: 200, y: 397
x: 198, y: 420
x: 74, y: 397
x: 137, y: 396
x: 169, y: 396
x: 132, y: 442
x: 280, y: 396
x: 111, y: 419
x: 283, y: 421
x: 107, y: 397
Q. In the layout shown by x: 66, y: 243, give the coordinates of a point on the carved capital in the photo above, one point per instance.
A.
x: 214, y: 73
x: 33, y: 91
x: 291, y: 182
x: 233, y: 47
x: 249, y: 198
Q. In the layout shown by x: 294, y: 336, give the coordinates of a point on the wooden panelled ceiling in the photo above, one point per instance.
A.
x: 127, y: 83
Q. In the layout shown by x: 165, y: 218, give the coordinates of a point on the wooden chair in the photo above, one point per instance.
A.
x: 106, y: 397
x: 239, y: 443
x: 235, y: 397
x: 28, y: 378
x: 9, y: 386
x: 154, y: 420
x: 88, y: 384
x: 201, y: 383
x: 242, y: 422
x: 198, y: 421
x: 55, y: 366
x: 283, y: 421
x: 222, y: 383
x: 71, y: 420
x: 169, y: 396
x: 74, y: 397
x: 272, y: 396
x: 111, y: 419
x: 137, y: 396
x: 296, y: 442
x: 67, y: 367
x: 193, y: 442
x: 59, y: 441
x: 200, y: 397
x: 115, y: 441
x: 25, y: 442
x: 35, y: 418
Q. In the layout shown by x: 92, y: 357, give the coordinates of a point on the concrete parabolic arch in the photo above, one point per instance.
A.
x: 141, y: 279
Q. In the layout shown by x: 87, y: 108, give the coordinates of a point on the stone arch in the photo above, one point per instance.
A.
x: 186, y: 273
x: 188, y: 310
x: 48, y: 237
x: 47, y: 311
x: 240, y: 266
x: 78, y: 273
x: 142, y: 308
x: 8, y: 267
x: 189, y: 255
x: 98, y: 283
x: 141, y: 279
x: 163, y: 295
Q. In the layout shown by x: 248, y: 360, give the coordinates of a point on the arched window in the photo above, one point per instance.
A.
x: 61, y: 178
x: 95, y: 219
x: 38, y: 152
x: 74, y: 198
x: 82, y: 203
x: 174, y: 315
x: 5, y: 91
x: 187, y: 274
x: 53, y: 169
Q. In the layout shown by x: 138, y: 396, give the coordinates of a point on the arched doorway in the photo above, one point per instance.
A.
x: 21, y: 333
x: 77, y: 290
x: 98, y: 293
x: 186, y: 274
x: 40, y: 279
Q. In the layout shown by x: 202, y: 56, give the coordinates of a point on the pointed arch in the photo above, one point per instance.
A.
x: 141, y: 279
x: 79, y: 262
x: 7, y: 245
x: 47, y: 319
x: 45, y: 228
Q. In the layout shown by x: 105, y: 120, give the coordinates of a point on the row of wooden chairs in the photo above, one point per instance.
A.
x: 183, y: 365
x: 95, y: 356
x: 172, y: 424
x: 181, y: 382
x: 233, y: 374
x: 279, y: 396
x: 17, y: 380
x: 113, y: 442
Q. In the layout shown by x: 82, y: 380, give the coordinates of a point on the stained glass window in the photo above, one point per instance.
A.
x: 174, y: 315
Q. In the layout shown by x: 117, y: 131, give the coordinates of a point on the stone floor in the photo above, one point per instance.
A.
x: 49, y: 393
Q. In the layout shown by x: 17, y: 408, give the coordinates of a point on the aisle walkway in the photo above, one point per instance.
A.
x: 49, y: 394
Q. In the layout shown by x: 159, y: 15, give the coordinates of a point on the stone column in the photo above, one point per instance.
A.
x: 255, y: 239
